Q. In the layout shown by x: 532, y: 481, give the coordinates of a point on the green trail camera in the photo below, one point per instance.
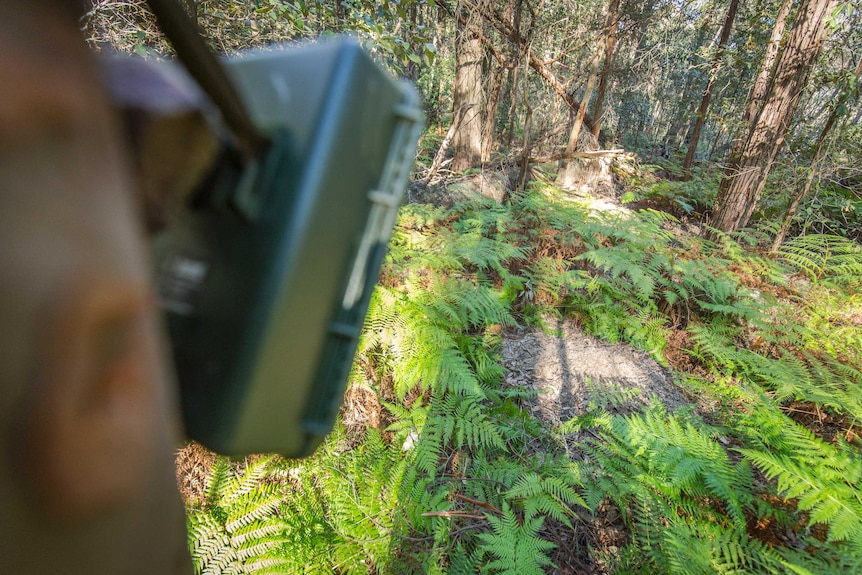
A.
x: 267, y: 275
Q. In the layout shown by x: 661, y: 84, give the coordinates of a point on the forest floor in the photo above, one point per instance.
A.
x: 572, y: 373
x: 569, y: 370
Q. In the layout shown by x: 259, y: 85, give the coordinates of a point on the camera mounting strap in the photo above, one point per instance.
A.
x: 205, y: 68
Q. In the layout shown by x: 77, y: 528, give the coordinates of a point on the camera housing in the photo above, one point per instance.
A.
x: 266, y: 277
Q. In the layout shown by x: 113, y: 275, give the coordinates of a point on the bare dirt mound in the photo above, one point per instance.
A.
x: 572, y: 371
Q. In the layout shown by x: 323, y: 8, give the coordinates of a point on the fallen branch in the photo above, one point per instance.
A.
x: 483, y: 504
x: 452, y: 514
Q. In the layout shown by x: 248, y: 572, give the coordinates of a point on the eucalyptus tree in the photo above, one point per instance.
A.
x: 468, y: 93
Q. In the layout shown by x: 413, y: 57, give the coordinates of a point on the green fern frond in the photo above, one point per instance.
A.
x: 709, y: 549
x: 545, y: 496
x: 515, y: 547
x: 239, y: 527
x: 822, y: 255
x: 823, y: 479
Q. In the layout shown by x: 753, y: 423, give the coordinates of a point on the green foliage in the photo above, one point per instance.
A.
x: 824, y: 256
x: 237, y: 529
x: 460, y: 477
x: 823, y: 478
x: 694, y: 197
x: 551, y: 496
x: 682, y: 496
x: 834, y: 209
x: 515, y: 546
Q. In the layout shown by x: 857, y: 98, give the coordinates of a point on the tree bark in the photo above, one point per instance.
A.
x: 610, y: 45
x: 805, y: 189
x: 467, y: 142
x: 761, y: 83
x: 515, y: 11
x: 707, y: 93
x: 528, y: 125
x: 751, y: 161
x: 510, y: 134
x: 444, y: 146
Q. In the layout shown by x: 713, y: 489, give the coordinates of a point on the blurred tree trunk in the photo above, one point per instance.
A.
x: 192, y: 9
x: 752, y: 158
x: 467, y: 142
x: 707, y: 93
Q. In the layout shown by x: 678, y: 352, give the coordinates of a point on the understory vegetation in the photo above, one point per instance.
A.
x: 439, y: 466
x: 439, y: 462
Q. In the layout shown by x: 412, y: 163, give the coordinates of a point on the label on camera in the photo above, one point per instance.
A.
x: 181, y: 279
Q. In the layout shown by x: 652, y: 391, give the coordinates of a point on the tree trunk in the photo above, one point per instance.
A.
x: 510, y: 134
x: 467, y: 143
x: 610, y: 45
x: 489, y: 120
x: 515, y: 11
x: 568, y: 170
x: 528, y: 124
x: 707, y: 93
x: 192, y: 9
x: 440, y: 156
x: 751, y: 161
x: 761, y: 84
x: 805, y: 189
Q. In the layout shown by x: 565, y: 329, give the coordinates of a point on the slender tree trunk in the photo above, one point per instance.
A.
x: 411, y: 71
x: 805, y: 189
x: 610, y: 45
x: 440, y: 156
x: 707, y: 93
x: 568, y: 170
x: 467, y: 142
x: 516, y: 11
x: 748, y: 167
x: 513, y: 106
x: 489, y: 124
x: 528, y: 125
